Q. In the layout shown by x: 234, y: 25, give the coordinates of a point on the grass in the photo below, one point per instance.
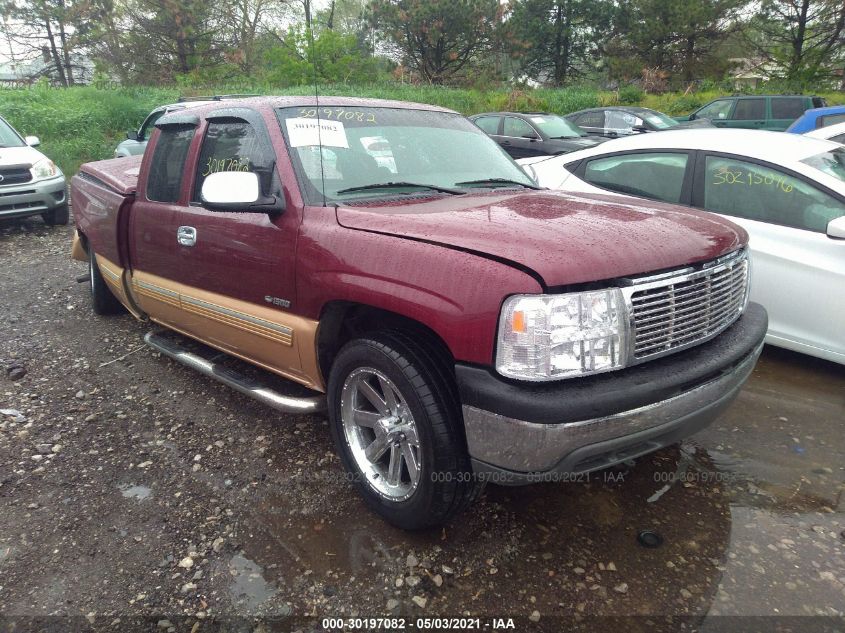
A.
x: 81, y: 124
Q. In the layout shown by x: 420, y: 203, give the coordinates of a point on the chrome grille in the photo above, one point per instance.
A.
x: 682, y: 310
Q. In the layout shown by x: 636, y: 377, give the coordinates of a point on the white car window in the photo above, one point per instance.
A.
x: 658, y: 176
x: 761, y: 193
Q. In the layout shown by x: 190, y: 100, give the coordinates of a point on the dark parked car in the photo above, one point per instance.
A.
x: 616, y: 121
x: 526, y: 134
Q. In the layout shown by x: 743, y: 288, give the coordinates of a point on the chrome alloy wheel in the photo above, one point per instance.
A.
x: 381, y: 433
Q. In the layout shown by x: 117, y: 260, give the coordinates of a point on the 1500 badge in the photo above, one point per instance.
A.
x: 276, y: 301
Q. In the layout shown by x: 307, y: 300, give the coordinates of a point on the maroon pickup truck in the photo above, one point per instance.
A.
x: 391, y: 263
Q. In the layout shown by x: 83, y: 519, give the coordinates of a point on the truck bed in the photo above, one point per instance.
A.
x: 118, y: 174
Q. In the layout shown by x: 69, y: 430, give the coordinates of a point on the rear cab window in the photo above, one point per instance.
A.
x: 831, y: 119
x: 167, y: 166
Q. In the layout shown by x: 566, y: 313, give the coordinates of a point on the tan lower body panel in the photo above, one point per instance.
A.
x: 77, y: 251
x: 283, y: 343
x: 114, y: 277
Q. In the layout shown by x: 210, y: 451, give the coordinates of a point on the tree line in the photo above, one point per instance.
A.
x: 655, y: 43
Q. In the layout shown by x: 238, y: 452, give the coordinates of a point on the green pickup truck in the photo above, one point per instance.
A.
x: 758, y: 112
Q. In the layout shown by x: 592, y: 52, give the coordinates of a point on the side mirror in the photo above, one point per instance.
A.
x: 836, y: 228
x: 32, y: 141
x: 132, y: 135
x: 237, y: 191
x: 640, y: 128
x: 531, y: 137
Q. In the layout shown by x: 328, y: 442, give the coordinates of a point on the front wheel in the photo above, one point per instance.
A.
x: 397, y: 425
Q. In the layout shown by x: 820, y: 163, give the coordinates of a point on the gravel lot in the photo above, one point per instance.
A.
x: 136, y: 494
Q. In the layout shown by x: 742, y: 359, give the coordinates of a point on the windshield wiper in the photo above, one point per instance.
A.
x: 393, y: 185
x: 495, y: 182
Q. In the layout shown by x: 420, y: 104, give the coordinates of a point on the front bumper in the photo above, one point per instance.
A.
x: 518, y: 433
x: 32, y: 198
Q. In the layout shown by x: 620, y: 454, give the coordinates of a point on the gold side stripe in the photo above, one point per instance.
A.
x: 110, y: 273
x: 155, y: 289
x: 214, y: 315
x: 283, y: 329
x: 152, y: 294
x: 254, y: 325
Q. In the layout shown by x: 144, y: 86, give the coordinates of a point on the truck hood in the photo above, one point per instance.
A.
x: 563, y: 238
x: 24, y: 155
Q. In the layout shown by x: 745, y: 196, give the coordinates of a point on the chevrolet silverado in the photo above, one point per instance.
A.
x: 459, y: 325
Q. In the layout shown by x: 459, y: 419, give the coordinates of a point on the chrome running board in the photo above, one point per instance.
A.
x: 207, y: 362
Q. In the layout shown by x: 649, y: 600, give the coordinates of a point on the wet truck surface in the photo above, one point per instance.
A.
x: 457, y: 325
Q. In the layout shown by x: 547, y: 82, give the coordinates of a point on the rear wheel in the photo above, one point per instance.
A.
x: 59, y: 215
x: 397, y: 425
x: 102, y: 299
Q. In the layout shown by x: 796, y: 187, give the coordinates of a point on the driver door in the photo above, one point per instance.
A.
x: 234, y: 271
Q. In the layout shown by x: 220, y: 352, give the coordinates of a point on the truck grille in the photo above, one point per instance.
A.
x: 14, y: 175
x: 685, y: 309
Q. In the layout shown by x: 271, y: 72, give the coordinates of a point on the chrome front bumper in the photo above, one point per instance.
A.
x: 32, y: 198
x: 512, y: 451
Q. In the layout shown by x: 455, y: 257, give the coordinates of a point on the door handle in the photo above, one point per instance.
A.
x: 186, y: 235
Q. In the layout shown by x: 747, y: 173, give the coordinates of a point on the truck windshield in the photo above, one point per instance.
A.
x: 418, y: 151
x: 8, y: 136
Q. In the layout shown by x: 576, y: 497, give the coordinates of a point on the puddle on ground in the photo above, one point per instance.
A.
x: 132, y: 491
x: 248, y: 589
x: 737, y: 507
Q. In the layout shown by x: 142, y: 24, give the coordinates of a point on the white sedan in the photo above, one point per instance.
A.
x: 835, y: 133
x: 786, y: 190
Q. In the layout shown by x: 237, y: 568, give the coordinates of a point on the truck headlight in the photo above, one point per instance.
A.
x: 547, y: 337
x: 44, y: 168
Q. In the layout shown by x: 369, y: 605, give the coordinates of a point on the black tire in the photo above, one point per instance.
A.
x: 58, y: 216
x: 102, y: 299
x: 446, y: 484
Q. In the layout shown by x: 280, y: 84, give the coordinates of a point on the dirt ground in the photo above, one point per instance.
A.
x: 137, y: 495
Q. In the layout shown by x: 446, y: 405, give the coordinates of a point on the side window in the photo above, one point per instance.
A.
x: 517, y: 127
x: 716, y: 110
x: 147, y: 127
x: 757, y: 192
x: 839, y: 139
x: 750, y: 109
x: 489, y: 124
x: 233, y: 145
x: 658, y: 176
x: 830, y: 119
x: 165, y: 179
x: 787, y: 107
x: 621, y: 121
x: 591, y: 119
